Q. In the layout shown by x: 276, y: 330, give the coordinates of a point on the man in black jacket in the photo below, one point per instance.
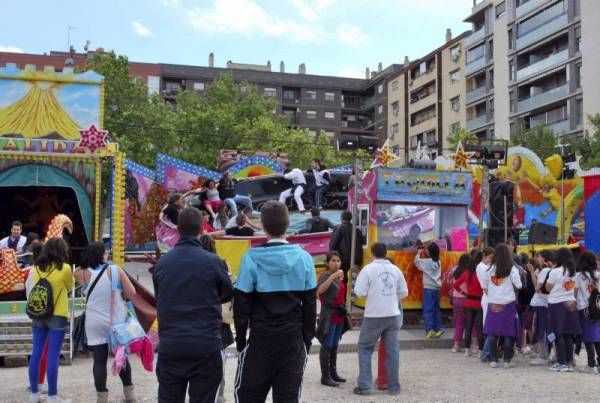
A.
x: 275, y: 296
x: 190, y: 284
x: 316, y: 223
x: 341, y: 241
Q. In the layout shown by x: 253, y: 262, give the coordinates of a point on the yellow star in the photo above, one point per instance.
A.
x: 460, y: 157
x: 385, y: 157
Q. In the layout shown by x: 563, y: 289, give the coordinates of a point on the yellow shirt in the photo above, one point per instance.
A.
x: 61, y: 282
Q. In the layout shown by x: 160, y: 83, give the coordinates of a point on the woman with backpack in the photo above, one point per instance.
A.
x: 96, y: 274
x: 563, y: 319
x: 47, y: 306
x: 587, y: 280
x: 501, y: 319
x: 544, y: 262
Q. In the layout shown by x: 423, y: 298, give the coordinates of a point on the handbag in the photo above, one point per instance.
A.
x: 78, y: 332
x: 127, y: 327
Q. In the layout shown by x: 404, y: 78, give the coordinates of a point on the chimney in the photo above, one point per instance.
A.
x: 302, y: 69
x: 379, y: 67
x: 282, y: 67
x: 448, y: 35
x: 367, y: 73
x: 406, y: 60
x: 211, y: 59
x: 269, y: 65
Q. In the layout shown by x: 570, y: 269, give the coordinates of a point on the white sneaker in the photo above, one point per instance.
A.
x: 555, y: 367
x: 589, y: 370
x: 566, y: 368
x: 538, y: 362
x: 526, y: 350
x: 57, y: 399
x: 508, y: 365
x: 494, y: 364
x: 467, y: 352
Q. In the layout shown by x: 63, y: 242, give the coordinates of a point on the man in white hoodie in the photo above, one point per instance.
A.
x: 384, y: 286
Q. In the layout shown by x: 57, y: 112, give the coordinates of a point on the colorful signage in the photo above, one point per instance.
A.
x: 423, y: 186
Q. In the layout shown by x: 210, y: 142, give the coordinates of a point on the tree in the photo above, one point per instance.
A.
x: 461, y: 135
x: 589, y: 146
x: 539, y: 139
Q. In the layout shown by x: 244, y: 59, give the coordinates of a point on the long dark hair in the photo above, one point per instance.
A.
x: 587, y: 265
x: 464, y: 263
x: 503, y: 260
x: 434, y: 252
x: 208, y: 243
x: 55, y: 252
x: 564, y: 258
x: 548, y: 255
x: 93, y: 255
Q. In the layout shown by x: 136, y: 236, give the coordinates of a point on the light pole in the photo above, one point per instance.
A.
x: 357, y: 192
x: 562, y: 190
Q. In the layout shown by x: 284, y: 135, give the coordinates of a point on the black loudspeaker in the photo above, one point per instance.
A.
x: 499, y: 192
x: 542, y: 234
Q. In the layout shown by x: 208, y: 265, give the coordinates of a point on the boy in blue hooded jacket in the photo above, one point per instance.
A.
x: 275, y: 296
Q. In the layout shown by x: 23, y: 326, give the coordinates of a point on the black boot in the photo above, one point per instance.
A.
x: 324, y: 360
x: 333, y: 366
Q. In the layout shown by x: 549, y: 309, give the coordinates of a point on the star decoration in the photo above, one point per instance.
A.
x: 383, y: 156
x: 460, y: 157
x: 93, y: 138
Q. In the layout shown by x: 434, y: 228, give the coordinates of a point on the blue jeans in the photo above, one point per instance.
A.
x: 371, y: 330
x: 333, y: 336
x: 319, y: 191
x: 53, y: 330
x: 486, y: 353
x: 431, y: 310
x: 508, y: 344
x: 233, y: 201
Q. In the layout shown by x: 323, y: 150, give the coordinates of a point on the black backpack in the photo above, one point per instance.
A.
x: 40, y: 304
x: 594, y: 304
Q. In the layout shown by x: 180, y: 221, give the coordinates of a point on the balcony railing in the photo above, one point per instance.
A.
x: 475, y: 65
x: 475, y: 94
x: 543, y: 98
x: 475, y: 37
x: 560, y: 127
x: 543, y: 64
x: 529, y: 6
x: 477, y: 122
x: 543, y: 31
x: 369, y: 102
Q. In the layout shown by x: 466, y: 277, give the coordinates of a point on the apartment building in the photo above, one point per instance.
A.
x: 524, y: 66
x: 426, y: 100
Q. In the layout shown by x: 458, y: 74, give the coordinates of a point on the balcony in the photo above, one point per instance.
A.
x: 543, y: 31
x: 529, y: 6
x: 477, y: 122
x: 475, y: 37
x: 369, y: 102
x: 560, y: 127
x: 291, y: 101
x: 475, y: 65
x: 423, y: 102
x: 543, y: 64
x: 476, y: 94
x: 543, y: 98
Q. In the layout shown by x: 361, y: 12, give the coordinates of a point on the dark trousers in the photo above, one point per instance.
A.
x: 203, y: 376
x: 473, y: 317
x: 276, y: 364
x: 564, y: 348
x: 508, y: 344
x: 99, y: 369
x: 593, y: 350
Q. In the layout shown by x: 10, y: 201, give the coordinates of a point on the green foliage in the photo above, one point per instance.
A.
x: 589, y: 146
x: 539, y: 139
x: 228, y: 116
x: 463, y: 136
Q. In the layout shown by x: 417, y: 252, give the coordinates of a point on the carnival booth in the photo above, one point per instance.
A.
x: 403, y: 207
x: 54, y: 157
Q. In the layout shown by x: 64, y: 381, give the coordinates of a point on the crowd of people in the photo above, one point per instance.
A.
x: 504, y: 302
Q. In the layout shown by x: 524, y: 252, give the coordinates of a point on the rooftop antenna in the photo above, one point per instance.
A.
x: 69, y: 28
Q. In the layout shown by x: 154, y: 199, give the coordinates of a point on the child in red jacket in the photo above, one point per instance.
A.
x: 472, y: 305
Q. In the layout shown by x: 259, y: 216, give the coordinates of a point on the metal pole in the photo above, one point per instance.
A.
x: 562, y: 207
x: 505, y: 221
x: 357, y: 185
x: 483, y: 204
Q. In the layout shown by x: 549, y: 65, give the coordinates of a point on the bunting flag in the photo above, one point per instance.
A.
x: 383, y: 156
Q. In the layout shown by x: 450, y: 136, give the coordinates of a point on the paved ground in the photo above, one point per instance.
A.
x: 426, y: 375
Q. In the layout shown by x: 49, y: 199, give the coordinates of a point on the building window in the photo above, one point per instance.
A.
x: 512, y: 102
x: 394, y: 130
x: 511, y: 70
x: 491, y: 49
x: 491, y: 75
x: 500, y: 9
x: 380, y: 89
x: 541, y: 18
x: 380, y: 109
x: 311, y: 94
x: 455, y: 53
x: 153, y: 85
x: 395, y: 108
x: 312, y: 132
x: 289, y: 94
x: 578, y: 39
x: 395, y: 85
x: 311, y: 114
x: 329, y: 133
x: 579, y: 112
x: 423, y: 115
x: 578, y: 75
x: 270, y: 92
x: 455, y: 104
x: 329, y: 115
x: 455, y: 76
x: 199, y: 86
x: 396, y: 150
x: 329, y: 96
x: 454, y: 127
x: 491, y: 107
x: 475, y: 53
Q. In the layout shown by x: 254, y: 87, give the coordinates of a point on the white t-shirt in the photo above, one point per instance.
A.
x: 296, y: 176
x: 384, y: 286
x: 540, y: 299
x: 563, y: 289
x: 482, y: 273
x: 502, y: 290
x: 584, y: 289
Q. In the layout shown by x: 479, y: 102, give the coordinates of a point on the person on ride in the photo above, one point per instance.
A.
x: 241, y: 228
x: 297, y: 189
x: 213, y: 201
x: 228, y: 194
x: 322, y: 179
